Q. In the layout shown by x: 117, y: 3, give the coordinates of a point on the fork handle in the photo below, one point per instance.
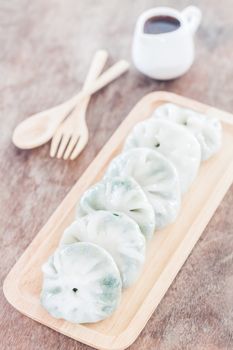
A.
x: 96, y: 67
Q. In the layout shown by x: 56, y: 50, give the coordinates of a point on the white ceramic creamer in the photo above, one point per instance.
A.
x: 168, y: 52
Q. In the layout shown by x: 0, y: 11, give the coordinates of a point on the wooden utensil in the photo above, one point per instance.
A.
x: 166, y: 252
x: 72, y: 134
x: 40, y: 128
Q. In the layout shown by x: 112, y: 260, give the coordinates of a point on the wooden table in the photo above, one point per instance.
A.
x: 46, y: 47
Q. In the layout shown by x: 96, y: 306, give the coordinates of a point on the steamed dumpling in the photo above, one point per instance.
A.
x: 156, y: 175
x: 174, y: 142
x: 118, y: 234
x: 120, y: 194
x: 207, y: 130
x: 81, y: 284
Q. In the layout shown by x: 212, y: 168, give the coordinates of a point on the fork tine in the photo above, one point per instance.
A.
x: 74, y: 139
x: 64, y: 142
x: 79, y: 147
x: 55, y: 142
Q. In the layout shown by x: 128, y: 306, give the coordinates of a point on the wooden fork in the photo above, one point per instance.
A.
x: 72, y: 135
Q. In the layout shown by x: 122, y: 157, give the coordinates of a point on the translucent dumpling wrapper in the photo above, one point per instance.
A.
x: 81, y: 284
x: 158, y: 178
x: 121, y: 194
x: 118, y: 234
x: 173, y: 141
x: 207, y: 130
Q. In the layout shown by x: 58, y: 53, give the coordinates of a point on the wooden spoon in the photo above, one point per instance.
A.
x: 40, y: 128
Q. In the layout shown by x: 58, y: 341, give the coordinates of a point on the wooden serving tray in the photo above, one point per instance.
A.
x: 166, y: 253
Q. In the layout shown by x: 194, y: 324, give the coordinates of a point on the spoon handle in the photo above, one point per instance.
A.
x: 107, y: 77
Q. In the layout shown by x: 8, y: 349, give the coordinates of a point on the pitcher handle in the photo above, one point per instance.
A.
x: 193, y: 15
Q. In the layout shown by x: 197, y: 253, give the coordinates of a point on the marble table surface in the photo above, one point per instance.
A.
x: 46, y: 47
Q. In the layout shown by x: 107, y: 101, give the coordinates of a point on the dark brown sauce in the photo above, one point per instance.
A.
x: 161, y: 24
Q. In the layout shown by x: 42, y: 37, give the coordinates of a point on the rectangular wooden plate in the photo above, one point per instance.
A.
x: 166, y: 253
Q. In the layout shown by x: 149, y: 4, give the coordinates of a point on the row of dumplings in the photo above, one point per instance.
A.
x: 103, y: 250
